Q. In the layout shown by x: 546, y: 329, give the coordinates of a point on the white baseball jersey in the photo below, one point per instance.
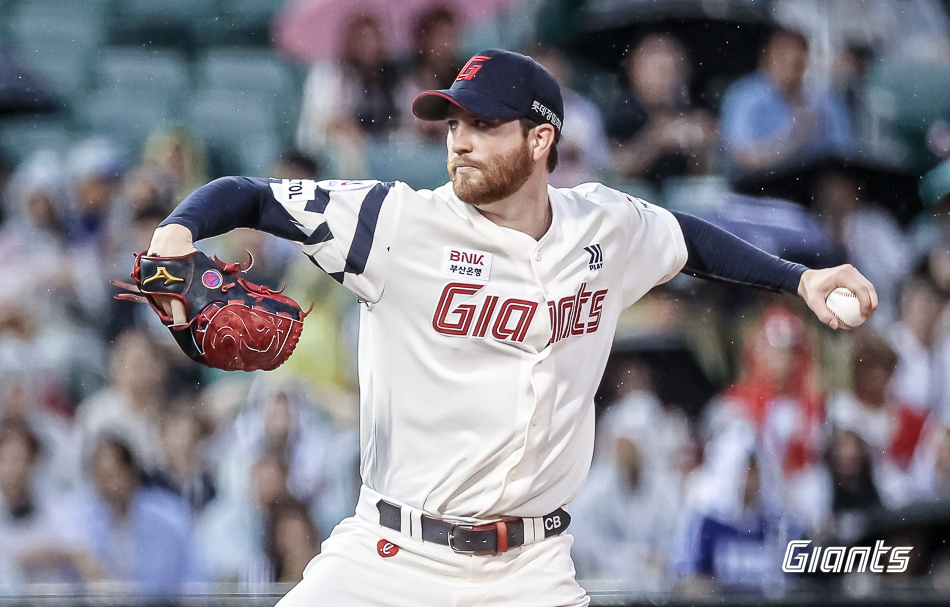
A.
x: 480, y: 347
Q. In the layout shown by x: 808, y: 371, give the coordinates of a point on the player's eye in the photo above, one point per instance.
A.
x: 452, y: 124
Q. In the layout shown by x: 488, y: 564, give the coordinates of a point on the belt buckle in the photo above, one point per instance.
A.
x: 451, y: 538
x: 457, y: 550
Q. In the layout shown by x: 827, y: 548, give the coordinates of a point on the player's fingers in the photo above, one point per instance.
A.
x: 817, y: 304
x: 173, y: 308
x: 849, y: 277
x: 178, y: 312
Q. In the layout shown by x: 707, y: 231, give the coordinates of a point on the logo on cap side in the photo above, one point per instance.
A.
x: 546, y: 113
x: 471, y: 68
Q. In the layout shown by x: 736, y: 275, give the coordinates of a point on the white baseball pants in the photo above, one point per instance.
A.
x: 363, y: 564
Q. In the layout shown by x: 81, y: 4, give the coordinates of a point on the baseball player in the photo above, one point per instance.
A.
x: 488, y: 311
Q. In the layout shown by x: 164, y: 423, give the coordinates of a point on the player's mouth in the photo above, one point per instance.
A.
x: 455, y: 164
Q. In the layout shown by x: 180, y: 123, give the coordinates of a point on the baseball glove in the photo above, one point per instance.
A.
x: 232, y: 324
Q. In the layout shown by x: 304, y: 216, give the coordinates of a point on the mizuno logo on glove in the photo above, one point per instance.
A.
x: 161, y: 272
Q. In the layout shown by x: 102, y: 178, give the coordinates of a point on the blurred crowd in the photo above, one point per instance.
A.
x: 124, y: 465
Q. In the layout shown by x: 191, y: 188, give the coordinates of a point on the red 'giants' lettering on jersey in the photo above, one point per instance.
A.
x: 509, y: 320
x: 568, y: 313
x: 471, y: 68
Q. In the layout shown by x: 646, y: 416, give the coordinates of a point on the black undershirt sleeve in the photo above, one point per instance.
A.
x: 222, y: 205
x: 716, y: 254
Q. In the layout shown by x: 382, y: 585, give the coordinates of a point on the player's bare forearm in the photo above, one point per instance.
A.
x: 816, y: 285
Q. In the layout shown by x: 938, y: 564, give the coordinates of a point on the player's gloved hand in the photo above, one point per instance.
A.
x: 173, y: 240
x: 816, y: 285
x: 217, y: 317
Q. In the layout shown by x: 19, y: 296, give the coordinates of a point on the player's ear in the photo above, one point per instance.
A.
x: 542, y: 138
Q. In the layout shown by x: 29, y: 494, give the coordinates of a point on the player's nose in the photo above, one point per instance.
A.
x: 459, y: 140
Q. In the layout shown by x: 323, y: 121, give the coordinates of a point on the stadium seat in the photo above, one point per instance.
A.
x: 256, y: 156
x: 162, y: 72
x: 125, y: 116
x: 221, y: 113
x: 904, y: 99
x: 21, y: 137
x: 56, y: 44
x: 421, y: 164
x: 256, y: 73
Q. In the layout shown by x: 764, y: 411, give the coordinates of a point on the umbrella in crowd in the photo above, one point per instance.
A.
x: 313, y: 30
x: 722, y: 39
x: 21, y: 90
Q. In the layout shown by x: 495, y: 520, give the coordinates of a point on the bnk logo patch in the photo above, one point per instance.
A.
x: 473, y: 265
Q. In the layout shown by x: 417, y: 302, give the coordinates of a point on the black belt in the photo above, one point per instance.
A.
x: 490, y: 538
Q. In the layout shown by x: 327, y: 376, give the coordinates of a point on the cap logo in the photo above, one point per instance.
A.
x: 471, y: 68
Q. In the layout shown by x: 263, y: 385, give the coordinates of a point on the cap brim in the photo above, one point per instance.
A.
x: 434, y: 105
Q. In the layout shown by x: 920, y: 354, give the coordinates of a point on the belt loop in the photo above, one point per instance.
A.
x: 415, y: 521
x: 405, y: 522
x: 531, y: 530
x: 502, y: 531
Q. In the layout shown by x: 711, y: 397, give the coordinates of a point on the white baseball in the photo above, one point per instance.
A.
x: 845, y: 305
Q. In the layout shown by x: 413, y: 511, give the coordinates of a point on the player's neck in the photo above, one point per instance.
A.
x: 528, y: 210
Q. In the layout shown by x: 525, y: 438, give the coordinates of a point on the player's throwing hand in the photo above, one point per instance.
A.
x: 816, y: 285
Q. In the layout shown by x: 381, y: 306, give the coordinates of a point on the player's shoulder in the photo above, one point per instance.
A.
x: 594, y: 195
x: 361, y: 184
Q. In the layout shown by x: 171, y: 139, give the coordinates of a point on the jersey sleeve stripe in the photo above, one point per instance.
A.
x: 320, y: 201
x: 321, y: 234
x: 366, y: 228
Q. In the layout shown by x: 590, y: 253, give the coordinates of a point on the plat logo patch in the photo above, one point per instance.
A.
x: 386, y: 549
x: 211, y: 279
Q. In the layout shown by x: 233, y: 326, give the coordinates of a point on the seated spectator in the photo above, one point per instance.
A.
x: 177, y: 153
x: 837, y: 498
x: 582, y: 151
x: 891, y: 428
x: 40, y: 544
x: 294, y: 164
x: 292, y: 540
x: 95, y: 168
x: 771, y: 120
x: 141, y: 536
x: 345, y: 103
x: 279, y: 418
x: 923, y: 367
x: 930, y: 471
x: 24, y: 399
x: 734, y: 527
x: 39, y: 258
x: 131, y: 403
x: 932, y: 226
x: 777, y: 389
x: 183, y: 469
x: 869, y: 237
x: 435, y: 62
x: 231, y: 533
x: 625, y: 515
x: 655, y: 131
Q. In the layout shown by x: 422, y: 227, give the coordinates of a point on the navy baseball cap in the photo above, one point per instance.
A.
x: 498, y: 85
